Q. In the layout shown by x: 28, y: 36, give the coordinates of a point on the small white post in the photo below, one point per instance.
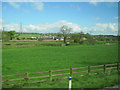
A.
x: 70, y: 83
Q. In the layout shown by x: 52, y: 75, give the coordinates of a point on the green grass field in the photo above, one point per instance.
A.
x: 89, y: 81
x: 37, y: 59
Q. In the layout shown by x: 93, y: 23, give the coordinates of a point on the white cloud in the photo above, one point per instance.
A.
x: 93, y: 3
x: 13, y: 4
x: 98, y: 28
x: 44, y: 27
x: 12, y: 27
x: 97, y: 18
x: 115, y: 17
x: 105, y: 28
x: 38, y: 5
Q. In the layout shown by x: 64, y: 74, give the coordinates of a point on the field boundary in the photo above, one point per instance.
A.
x: 89, y: 69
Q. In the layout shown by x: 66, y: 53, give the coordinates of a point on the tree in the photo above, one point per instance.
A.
x: 11, y: 34
x: 65, y: 31
x: 81, y: 34
x: 87, y: 35
x: 5, y: 36
x: 0, y: 35
x: 59, y: 35
x: 91, y: 40
x: 78, y: 37
x: 17, y: 36
x: 75, y: 37
x: 101, y: 38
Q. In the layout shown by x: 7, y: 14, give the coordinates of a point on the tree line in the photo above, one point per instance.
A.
x: 82, y: 37
x: 9, y: 35
x: 65, y: 32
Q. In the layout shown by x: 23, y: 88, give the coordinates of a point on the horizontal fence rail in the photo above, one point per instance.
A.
x: 50, y: 74
x: 13, y: 75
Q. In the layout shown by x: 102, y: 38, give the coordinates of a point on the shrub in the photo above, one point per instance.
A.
x: 81, y: 42
x: 91, y: 41
x: 5, y: 36
x: 18, y: 38
x: 23, y: 38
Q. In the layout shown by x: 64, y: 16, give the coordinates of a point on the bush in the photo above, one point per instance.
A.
x: 23, y: 38
x: 81, y: 42
x: 5, y: 36
x: 18, y: 39
x: 8, y: 44
x: 91, y: 41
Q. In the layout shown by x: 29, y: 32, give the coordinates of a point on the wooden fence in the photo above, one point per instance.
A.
x: 71, y: 72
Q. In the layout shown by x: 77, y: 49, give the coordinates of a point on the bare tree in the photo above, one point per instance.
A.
x: 65, y: 31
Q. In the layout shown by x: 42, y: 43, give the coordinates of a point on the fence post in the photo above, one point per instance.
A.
x: 104, y: 68
x: 27, y: 76
x: 71, y: 70
x: 50, y: 75
x: 118, y: 66
x: 70, y: 83
x: 89, y: 69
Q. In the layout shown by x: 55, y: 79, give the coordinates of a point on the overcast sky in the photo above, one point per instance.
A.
x: 48, y: 17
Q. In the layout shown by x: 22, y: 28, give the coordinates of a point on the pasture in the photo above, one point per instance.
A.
x: 43, y: 58
x: 35, y: 59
